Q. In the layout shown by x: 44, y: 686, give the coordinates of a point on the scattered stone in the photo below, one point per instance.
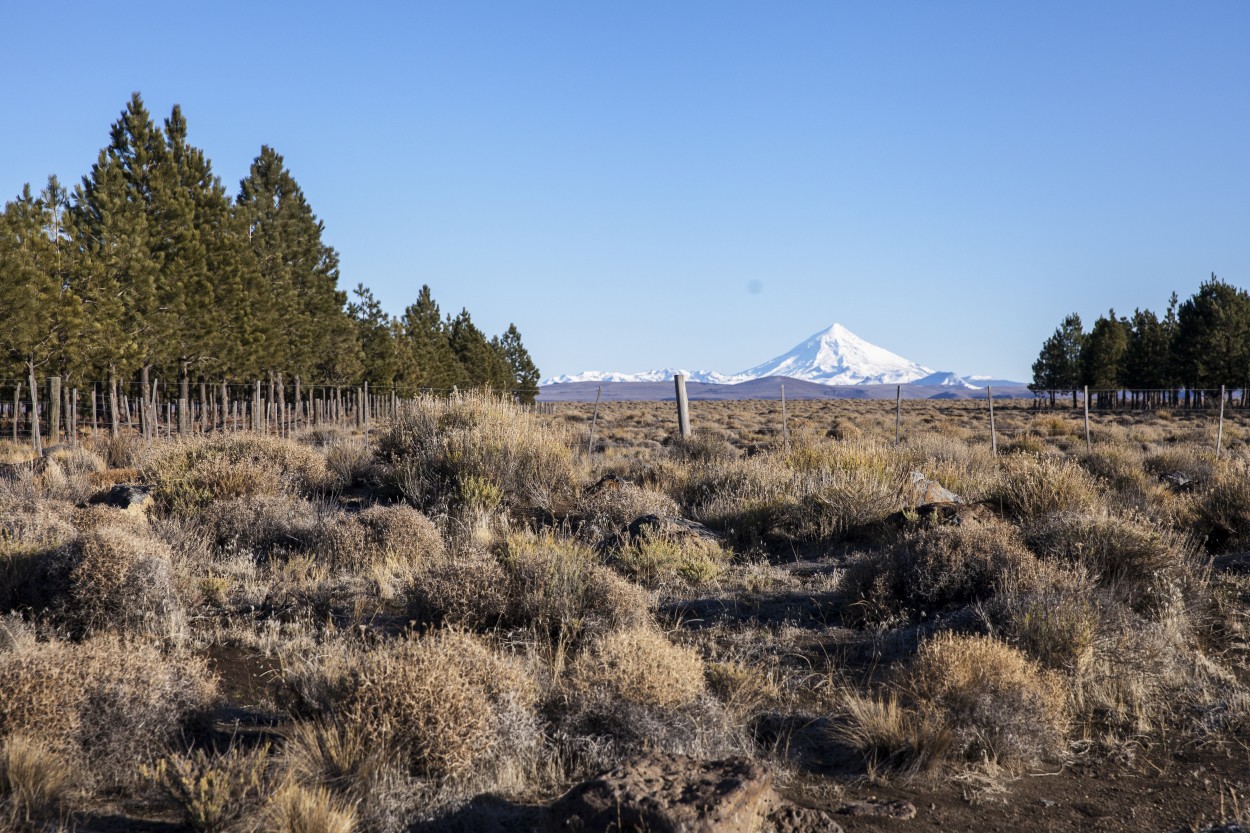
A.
x: 126, y: 496
x: 671, y: 526
x: 923, y: 490
x: 795, y: 819
x: 608, y: 483
x: 886, y: 809
x: 1178, y: 481
x: 670, y: 794
x: 1233, y: 562
x: 1048, y: 803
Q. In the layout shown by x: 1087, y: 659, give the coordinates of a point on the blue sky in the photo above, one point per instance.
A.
x: 701, y: 184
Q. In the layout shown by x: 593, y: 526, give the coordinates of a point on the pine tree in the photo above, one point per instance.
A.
x: 301, y: 311
x: 524, y: 372
x: 481, y: 364
x: 1212, y: 343
x: 1102, y: 356
x: 387, y: 359
x: 435, y: 366
x: 38, y: 312
x: 1058, y: 366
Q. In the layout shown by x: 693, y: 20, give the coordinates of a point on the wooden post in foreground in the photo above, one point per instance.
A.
x: 1219, y: 432
x: 1089, y: 446
x: 785, y: 421
x: 590, y: 445
x: 898, y: 414
x: 683, y: 406
x: 989, y: 393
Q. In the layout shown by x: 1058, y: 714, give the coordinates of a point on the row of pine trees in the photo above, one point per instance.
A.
x: 148, y: 267
x: 1201, y: 344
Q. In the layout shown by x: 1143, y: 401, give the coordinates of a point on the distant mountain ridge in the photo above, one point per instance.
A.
x: 833, y: 356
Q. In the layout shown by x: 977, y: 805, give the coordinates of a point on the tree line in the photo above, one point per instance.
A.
x: 1195, y: 346
x: 148, y: 268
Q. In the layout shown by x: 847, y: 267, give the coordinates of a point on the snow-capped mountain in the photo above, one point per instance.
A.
x: 834, y: 356
x: 837, y: 356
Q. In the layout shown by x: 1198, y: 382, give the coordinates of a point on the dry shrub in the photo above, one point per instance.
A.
x: 557, y: 586
x: 259, y: 526
x: 447, y: 702
x: 999, y: 706
x: 612, y: 506
x: 935, y: 569
x: 68, y: 474
x: 657, y: 559
x: 1142, y: 561
x: 841, y: 502
x: 351, y: 463
x: 122, y: 580
x: 892, y: 736
x: 296, y: 809
x: 1194, y: 462
x: 468, y: 590
x: 113, y: 703
x: 1222, y: 510
x: 188, y: 474
x: 1051, y: 612
x: 747, y: 499
x: 127, y: 450
x: 474, y: 452
x: 399, y: 536
x: 639, y: 665
x: 702, y: 446
x: 213, y: 791
x: 35, y: 783
x: 970, y: 471
x: 32, y: 531
x: 1032, y: 487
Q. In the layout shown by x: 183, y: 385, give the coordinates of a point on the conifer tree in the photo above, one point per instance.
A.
x: 524, y: 372
x: 1212, y: 345
x: 481, y: 364
x: 435, y: 366
x: 1102, y: 356
x: 386, y: 356
x: 1058, y: 366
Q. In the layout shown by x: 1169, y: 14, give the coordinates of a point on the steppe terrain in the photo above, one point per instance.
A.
x: 450, y: 623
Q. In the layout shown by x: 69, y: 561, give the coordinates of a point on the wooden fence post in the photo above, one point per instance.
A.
x: 898, y: 414
x: 1219, y: 432
x: 683, y: 406
x: 590, y: 445
x: 989, y: 394
x: 17, y: 407
x: 1089, y: 446
x: 54, y: 410
x: 785, y: 421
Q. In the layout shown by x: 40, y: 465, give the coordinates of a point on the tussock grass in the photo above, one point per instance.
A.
x: 475, y: 453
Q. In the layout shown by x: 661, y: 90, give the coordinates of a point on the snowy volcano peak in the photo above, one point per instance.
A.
x: 836, y: 356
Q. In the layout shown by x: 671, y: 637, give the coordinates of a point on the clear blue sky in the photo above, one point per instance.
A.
x: 945, y: 179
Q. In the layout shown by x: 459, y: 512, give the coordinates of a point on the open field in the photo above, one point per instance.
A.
x: 451, y: 624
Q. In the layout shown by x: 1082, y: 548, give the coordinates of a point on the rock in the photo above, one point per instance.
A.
x: 795, y: 819
x: 126, y: 496
x: 608, y: 483
x: 922, y: 490
x: 671, y: 526
x: 1179, y: 482
x: 1233, y: 562
x: 929, y: 515
x: 886, y: 809
x: 670, y: 794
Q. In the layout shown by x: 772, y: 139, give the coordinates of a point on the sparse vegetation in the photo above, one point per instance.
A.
x: 466, y: 604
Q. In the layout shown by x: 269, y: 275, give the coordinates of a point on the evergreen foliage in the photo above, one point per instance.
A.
x: 150, y: 269
x: 1201, y: 344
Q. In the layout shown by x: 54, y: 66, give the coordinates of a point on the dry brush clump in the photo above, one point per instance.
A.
x: 447, y: 702
x: 110, y: 703
x: 35, y: 784
x: 187, y: 475
x: 477, y: 454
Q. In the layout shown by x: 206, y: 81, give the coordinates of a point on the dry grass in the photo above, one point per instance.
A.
x: 642, y: 666
x: 548, y: 642
x: 35, y: 783
x: 998, y: 705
